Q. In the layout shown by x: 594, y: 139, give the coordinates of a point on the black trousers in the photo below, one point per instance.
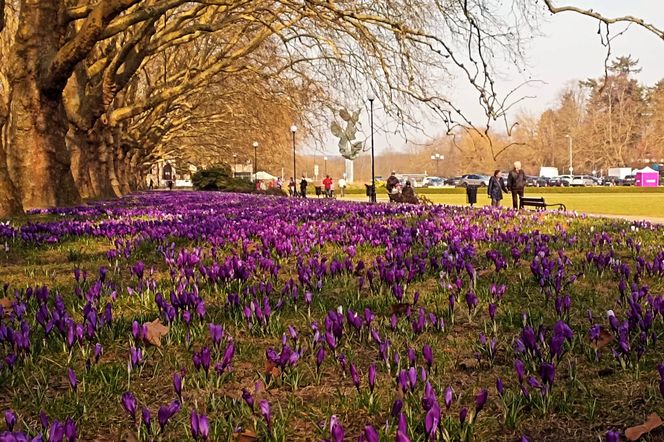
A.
x: 516, y: 198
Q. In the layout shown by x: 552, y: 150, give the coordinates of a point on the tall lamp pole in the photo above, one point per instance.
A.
x: 571, y: 168
x: 293, y: 129
x: 437, y: 157
x: 234, y: 165
x: 255, y: 160
x: 372, y: 198
x: 325, y: 159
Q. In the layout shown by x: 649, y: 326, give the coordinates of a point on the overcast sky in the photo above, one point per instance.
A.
x: 568, y: 50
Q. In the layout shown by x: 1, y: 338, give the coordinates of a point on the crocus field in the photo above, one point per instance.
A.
x: 212, y: 316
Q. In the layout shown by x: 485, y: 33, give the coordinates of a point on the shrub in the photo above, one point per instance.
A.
x: 220, y: 178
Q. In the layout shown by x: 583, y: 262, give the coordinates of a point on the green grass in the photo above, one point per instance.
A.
x: 616, y: 203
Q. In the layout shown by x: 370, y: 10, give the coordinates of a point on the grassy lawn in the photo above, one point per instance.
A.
x: 618, y: 203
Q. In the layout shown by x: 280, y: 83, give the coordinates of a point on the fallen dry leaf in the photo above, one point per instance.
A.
x: 6, y: 304
x: 605, y: 339
x: 271, y: 369
x: 155, y: 330
x: 245, y: 436
x: 634, y: 433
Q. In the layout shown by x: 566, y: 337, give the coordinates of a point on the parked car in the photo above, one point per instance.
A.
x: 565, y: 180
x: 582, y: 181
x: 555, y: 181
x: 452, y: 181
x: 537, y: 181
x: 433, y: 182
x: 472, y: 179
x: 629, y: 180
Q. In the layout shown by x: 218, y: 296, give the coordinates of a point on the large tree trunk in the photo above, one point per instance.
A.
x: 10, y: 202
x: 37, y: 154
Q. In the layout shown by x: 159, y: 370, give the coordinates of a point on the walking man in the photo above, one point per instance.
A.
x: 516, y: 182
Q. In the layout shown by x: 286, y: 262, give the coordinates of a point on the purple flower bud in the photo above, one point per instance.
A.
x: 397, y: 405
x: 146, y: 417
x: 10, y: 419
x: 500, y: 387
x: 166, y: 412
x: 448, y: 396
x: 372, y: 377
x: 337, y: 432
x: 72, y: 379
x: 480, y: 400
x: 70, y: 430
x: 612, y: 436
x: 548, y: 373
x: 370, y: 434
x: 177, y: 384
x: 265, y: 412
x: 248, y: 398
x: 129, y: 404
x: 355, y: 376
x: 463, y: 413
x: 520, y: 370
x: 427, y: 353
x: 492, y: 311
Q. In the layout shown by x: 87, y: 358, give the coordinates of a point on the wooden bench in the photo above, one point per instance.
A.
x: 539, y: 203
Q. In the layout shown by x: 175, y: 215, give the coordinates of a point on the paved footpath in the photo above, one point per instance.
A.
x: 650, y: 219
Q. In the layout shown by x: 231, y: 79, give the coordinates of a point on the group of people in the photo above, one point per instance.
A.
x: 516, y: 183
x: 399, y: 193
x: 328, y: 187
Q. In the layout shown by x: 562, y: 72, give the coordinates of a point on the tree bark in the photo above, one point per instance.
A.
x: 37, y: 156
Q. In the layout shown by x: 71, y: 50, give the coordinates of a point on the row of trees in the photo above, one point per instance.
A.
x: 612, y: 121
x: 92, y: 92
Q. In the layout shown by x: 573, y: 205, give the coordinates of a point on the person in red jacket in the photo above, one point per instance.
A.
x: 327, y: 183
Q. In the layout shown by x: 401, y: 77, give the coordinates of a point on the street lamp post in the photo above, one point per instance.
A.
x: 325, y: 171
x: 234, y: 165
x: 437, y: 158
x: 255, y: 144
x: 571, y: 168
x: 293, y: 129
x: 372, y: 198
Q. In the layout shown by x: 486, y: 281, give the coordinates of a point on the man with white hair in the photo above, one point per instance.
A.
x: 516, y: 182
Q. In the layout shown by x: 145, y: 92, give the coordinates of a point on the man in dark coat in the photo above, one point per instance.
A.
x: 516, y: 182
x: 303, y: 187
x: 392, y: 182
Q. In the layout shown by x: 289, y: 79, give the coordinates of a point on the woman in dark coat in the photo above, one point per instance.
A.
x: 496, y: 188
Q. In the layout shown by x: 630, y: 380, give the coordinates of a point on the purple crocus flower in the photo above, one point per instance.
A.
x: 146, y: 417
x: 372, y: 377
x: 56, y: 431
x: 397, y: 406
x: 448, y: 396
x: 320, y: 357
x: 427, y: 353
x: 72, y: 379
x: 463, y: 413
x: 492, y: 311
x: 70, y: 430
x: 98, y: 351
x: 547, y: 373
x: 520, y: 370
x: 370, y: 434
x: 612, y: 436
x: 200, y: 427
x: 166, y: 412
x: 355, y: 376
x: 471, y: 300
x: 337, y: 432
x: 500, y: 387
x: 432, y: 420
x: 129, y: 404
x: 135, y: 356
x: 265, y: 412
x: 10, y: 419
x: 177, y: 384
x: 216, y: 333
x: 480, y: 400
x: 248, y: 398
